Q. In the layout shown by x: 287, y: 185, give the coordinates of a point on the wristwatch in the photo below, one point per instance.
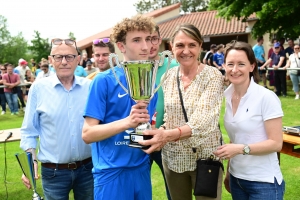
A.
x: 246, y: 150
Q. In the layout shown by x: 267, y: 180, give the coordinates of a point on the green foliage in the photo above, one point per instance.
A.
x: 71, y: 36
x: 273, y: 15
x: 40, y: 47
x: 186, y: 5
x: 12, y: 48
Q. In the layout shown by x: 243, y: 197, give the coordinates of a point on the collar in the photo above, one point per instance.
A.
x: 229, y: 91
x: 56, y: 81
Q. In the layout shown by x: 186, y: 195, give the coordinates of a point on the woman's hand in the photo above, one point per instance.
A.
x: 156, y: 143
x: 228, y: 151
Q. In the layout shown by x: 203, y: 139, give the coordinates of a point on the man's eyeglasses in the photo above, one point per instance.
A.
x: 296, y: 48
x: 58, y: 41
x: 3, y: 69
x: 104, y: 40
x: 155, y: 40
x: 59, y: 58
x: 276, y: 47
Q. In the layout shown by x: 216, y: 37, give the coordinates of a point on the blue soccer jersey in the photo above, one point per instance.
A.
x: 109, y: 102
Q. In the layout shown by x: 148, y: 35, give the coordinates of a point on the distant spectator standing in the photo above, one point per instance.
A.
x: 22, y: 67
x: 33, y: 66
x: 46, y: 72
x: 219, y: 58
x: 38, y: 69
x: 11, y: 80
x: 84, y: 60
x: 290, y: 49
x: 278, y: 58
x: 294, y: 62
x: 209, y: 53
x: 259, y: 53
x: 271, y: 72
x: 2, y: 95
x: 89, y: 68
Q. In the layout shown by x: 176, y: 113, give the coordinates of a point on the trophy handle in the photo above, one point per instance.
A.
x: 161, y: 62
x: 111, y: 64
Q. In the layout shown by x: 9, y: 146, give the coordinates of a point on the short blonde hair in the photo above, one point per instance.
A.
x: 136, y: 23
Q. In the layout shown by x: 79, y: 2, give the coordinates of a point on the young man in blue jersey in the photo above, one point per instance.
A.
x: 120, y: 172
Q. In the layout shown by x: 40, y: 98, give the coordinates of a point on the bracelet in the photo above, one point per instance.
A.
x: 180, y: 132
x: 163, y: 126
x: 35, y: 161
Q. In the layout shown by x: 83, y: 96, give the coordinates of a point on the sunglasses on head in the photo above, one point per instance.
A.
x: 58, y: 41
x: 104, y: 40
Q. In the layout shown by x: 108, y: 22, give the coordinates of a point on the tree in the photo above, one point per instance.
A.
x: 71, y: 36
x: 40, y: 47
x: 272, y: 15
x: 12, y: 48
x: 143, y: 6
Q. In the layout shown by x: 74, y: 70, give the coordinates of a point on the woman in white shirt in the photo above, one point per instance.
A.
x: 253, y: 120
x: 294, y: 62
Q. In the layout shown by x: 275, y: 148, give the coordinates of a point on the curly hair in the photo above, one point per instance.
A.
x: 136, y: 23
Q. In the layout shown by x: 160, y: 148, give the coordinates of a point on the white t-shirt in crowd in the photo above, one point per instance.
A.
x: 42, y: 74
x: 247, y: 127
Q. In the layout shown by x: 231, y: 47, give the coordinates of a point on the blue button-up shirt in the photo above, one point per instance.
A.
x: 54, y: 114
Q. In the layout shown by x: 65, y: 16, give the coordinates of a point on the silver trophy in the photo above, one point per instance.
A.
x: 140, y: 77
x: 26, y: 164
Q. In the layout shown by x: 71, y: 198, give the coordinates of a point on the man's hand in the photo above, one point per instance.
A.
x: 138, y: 114
x: 26, y: 181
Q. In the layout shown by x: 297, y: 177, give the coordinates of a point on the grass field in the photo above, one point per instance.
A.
x: 290, y: 166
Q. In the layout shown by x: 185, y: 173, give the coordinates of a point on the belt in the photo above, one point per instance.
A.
x: 71, y: 165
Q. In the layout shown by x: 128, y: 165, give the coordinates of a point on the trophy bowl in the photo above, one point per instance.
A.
x: 140, y: 77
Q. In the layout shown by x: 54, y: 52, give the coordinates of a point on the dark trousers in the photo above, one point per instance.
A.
x: 156, y: 156
x: 3, y: 101
x: 20, y: 96
x: 280, y: 82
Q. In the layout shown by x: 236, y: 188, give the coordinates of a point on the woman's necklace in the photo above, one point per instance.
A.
x: 234, y: 95
x: 192, y: 79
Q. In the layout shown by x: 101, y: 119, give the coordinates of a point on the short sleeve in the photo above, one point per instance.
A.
x: 271, y: 106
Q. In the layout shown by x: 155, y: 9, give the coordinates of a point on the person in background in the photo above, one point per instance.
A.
x: 89, y: 68
x: 2, y: 94
x: 184, y: 141
x: 84, y: 60
x: 33, y: 65
x: 210, y: 53
x: 11, y: 80
x: 22, y: 67
x: 120, y: 172
x: 101, y: 50
x: 294, y: 62
x: 79, y: 71
x: 279, y: 60
x: 219, y: 58
x: 154, y: 55
x: 45, y: 71
x: 253, y: 121
x: 38, y: 69
x: 29, y: 78
x: 259, y: 53
x: 54, y: 117
x: 271, y: 72
x: 290, y: 49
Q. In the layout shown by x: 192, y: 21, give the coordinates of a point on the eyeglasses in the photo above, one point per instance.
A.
x: 155, y: 40
x: 59, y: 58
x: 296, y: 48
x: 276, y: 47
x: 104, y: 40
x: 3, y: 69
x: 58, y: 41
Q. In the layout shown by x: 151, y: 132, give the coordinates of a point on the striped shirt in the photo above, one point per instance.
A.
x: 54, y: 114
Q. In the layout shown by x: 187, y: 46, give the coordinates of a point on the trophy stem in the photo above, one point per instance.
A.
x: 36, y: 196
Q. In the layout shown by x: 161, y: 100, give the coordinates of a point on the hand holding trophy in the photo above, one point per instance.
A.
x: 26, y: 163
x: 140, y: 77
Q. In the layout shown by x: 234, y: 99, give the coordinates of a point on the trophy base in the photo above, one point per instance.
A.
x: 135, y: 138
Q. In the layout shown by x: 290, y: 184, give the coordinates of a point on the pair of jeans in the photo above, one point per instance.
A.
x: 20, y: 95
x: 295, y: 80
x: 156, y: 156
x: 57, y: 183
x: 252, y: 190
x: 12, y: 101
x: 3, y: 101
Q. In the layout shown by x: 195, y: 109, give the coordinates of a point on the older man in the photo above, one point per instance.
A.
x: 54, y: 115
